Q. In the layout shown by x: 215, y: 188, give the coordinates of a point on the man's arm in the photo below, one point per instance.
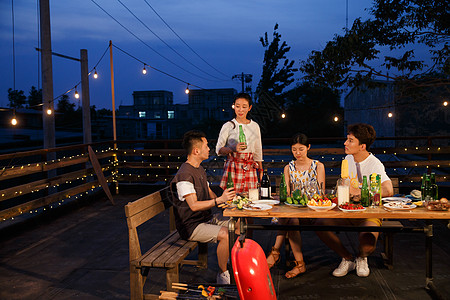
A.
x: 196, y: 205
x: 387, y: 189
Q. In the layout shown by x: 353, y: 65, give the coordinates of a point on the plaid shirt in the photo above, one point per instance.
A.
x: 243, y: 171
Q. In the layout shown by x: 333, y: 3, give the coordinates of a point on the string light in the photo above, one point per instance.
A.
x: 49, y: 111
x: 95, y: 73
x: 336, y: 119
x: 283, y: 115
x: 76, y: 93
x: 187, y: 89
x: 390, y: 115
x: 14, y: 120
x: 445, y: 103
x: 144, y: 70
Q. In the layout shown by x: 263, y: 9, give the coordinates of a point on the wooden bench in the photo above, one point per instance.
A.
x: 168, y: 254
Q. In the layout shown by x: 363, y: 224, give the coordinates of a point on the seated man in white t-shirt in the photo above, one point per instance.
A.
x: 361, y: 163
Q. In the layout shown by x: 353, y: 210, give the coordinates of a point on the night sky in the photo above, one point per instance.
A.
x: 224, y: 33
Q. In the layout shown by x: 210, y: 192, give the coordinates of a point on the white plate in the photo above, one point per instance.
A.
x: 258, y: 207
x: 389, y: 199
x: 322, y: 208
x: 352, y: 210
x: 399, y: 206
x: 270, y: 202
x: 294, y: 205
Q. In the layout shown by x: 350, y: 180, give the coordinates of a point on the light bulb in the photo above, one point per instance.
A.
x: 445, y: 103
x: 390, y: 115
x: 336, y: 118
x: 76, y: 94
x: 144, y: 71
x: 283, y: 115
x: 14, y: 121
x: 49, y: 111
x: 187, y: 89
x: 95, y: 74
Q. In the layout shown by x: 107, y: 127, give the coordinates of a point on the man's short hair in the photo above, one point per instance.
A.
x: 190, y: 138
x: 365, y: 133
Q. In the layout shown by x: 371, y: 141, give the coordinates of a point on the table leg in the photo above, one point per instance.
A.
x: 429, y: 284
x: 231, y: 241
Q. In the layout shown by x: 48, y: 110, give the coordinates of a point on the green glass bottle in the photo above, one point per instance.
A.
x: 365, y: 196
x: 428, y: 195
x: 230, y: 183
x: 422, y: 187
x: 433, y: 187
x: 283, y: 189
x: 242, y: 138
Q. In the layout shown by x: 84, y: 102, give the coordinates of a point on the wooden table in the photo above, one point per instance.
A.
x: 285, y: 211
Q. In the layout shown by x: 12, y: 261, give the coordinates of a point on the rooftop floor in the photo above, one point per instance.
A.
x: 82, y: 253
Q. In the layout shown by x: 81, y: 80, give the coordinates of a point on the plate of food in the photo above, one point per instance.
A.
x: 257, y: 206
x: 266, y: 201
x: 321, y: 207
x: 396, y: 199
x: 400, y: 205
x: 351, y: 207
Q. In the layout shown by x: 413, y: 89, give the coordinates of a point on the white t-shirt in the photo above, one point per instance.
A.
x: 229, y: 137
x: 368, y: 166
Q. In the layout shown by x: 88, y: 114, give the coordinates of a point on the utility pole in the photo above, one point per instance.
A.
x: 48, y: 120
x: 86, y: 106
x: 245, y: 78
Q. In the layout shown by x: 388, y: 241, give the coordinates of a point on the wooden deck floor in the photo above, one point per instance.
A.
x: 82, y: 253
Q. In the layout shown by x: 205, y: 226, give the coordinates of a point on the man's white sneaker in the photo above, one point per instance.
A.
x: 362, y: 268
x: 223, y: 278
x: 344, y: 267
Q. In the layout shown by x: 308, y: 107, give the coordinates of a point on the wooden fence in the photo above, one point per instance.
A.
x: 31, y: 182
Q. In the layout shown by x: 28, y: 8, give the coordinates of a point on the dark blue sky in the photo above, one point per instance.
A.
x: 224, y: 33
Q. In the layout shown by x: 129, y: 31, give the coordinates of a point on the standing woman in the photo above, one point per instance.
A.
x: 243, y: 159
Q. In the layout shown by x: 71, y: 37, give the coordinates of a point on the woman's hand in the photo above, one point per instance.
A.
x: 241, y: 147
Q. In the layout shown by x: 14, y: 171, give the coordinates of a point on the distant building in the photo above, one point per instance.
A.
x: 154, y: 116
x: 393, y: 117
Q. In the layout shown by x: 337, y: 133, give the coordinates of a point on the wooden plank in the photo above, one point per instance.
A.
x: 146, y: 214
x: 37, y: 203
x: 99, y: 173
x: 180, y: 254
x: 148, y: 259
x: 41, y: 184
x: 142, y: 203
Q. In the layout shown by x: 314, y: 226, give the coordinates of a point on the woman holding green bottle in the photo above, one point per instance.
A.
x: 302, y: 171
x: 240, y: 140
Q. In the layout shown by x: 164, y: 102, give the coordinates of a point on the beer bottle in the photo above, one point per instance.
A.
x: 365, y: 196
x: 265, y: 185
x: 428, y: 195
x: 422, y: 187
x: 242, y: 138
x: 230, y: 183
x: 433, y: 187
x: 283, y: 189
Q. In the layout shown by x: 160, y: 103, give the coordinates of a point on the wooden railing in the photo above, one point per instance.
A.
x: 30, y: 182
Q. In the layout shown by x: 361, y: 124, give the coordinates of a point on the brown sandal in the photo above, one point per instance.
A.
x: 273, y: 258
x: 297, y: 270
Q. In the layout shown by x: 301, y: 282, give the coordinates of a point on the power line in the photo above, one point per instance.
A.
x: 129, y: 31
x: 165, y: 73
x: 170, y: 47
x: 198, y: 55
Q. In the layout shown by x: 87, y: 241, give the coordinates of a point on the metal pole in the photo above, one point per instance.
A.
x: 112, y: 91
x: 86, y: 106
x: 114, y: 116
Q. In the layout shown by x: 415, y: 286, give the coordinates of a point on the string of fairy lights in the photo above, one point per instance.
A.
x: 114, y: 165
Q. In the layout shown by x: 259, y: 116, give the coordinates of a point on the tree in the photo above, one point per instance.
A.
x: 400, y: 28
x: 273, y: 78
x: 34, y: 97
x: 16, y: 98
x: 64, y: 106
